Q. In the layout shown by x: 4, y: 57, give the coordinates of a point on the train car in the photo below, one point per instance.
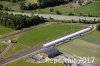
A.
x: 68, y: 37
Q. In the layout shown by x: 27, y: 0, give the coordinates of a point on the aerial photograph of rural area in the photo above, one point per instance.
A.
x: 49, y: 32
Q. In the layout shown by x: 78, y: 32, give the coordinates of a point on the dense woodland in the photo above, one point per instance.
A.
x: 19, y: 21
x: 45, y: 3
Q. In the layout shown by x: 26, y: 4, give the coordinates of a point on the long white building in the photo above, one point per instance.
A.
x: 68, y: 37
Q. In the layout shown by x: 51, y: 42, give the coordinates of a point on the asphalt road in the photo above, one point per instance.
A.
x: 59, y: 17
x: 20, y: 54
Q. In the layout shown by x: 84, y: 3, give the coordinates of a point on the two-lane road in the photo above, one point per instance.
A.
x: 59, y: 17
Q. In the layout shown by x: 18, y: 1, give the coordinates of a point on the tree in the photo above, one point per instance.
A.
x: 98, y: 27
x: 1, y: 7
x: 71, y: 14
x: 57, y: 12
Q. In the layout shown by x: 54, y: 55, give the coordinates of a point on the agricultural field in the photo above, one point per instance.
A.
x: 86, y: 47
x: 23, y: 63
x: 4, y: 30
x: 93, y: 37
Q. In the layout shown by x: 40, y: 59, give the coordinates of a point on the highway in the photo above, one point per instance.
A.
x: 59, y: 17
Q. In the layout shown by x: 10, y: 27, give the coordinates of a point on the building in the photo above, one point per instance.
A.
x: 50, y: 52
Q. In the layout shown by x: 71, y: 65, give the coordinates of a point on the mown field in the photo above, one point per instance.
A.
x: 23, y: 63
x: 46, y: 34
x: 93, y: 37
x: 32, y: 1
x: 4, y: 30
x: 85, y: 46
x: 90, y: 9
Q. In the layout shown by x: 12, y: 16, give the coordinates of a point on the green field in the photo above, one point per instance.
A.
x: 46, y: 34
x: 2, y: 47
x: 92, y: 9
x: 23, y: 63
x: 93, y: 37
x: 6, y: 4
x: 32, y: 1
x: 4, y: 30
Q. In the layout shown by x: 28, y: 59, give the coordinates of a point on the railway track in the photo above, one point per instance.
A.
x: 19, y: 55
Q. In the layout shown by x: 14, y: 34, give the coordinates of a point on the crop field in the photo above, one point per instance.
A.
x: 86, y: 47
x: 46, y: 34
x: 4, y: 30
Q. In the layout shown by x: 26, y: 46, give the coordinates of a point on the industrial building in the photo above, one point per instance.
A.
x: 50, y: 52
x: 68, y: 37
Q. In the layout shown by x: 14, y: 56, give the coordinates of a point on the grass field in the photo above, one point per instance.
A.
x: 23, y: 63
x: 46, y: 34
x: 15, y: 49
x: 32, y: 1
x: 93, y: 37
x: 2, y: 47
x: 4, y: 30
x: 92, y: 8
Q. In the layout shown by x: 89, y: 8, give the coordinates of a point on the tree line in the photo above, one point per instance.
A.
x: 19, y: 21
x: 41, y: 4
